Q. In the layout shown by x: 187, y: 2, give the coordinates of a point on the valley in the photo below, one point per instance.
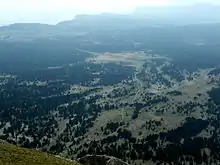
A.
x: 145, y: 95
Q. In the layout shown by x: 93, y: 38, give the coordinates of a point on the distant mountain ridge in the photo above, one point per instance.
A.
x: 141, y: 18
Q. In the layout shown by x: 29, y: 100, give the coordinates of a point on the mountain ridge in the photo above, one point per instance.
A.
x: 14, y: 155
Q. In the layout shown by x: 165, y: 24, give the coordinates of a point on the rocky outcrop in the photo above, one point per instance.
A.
x: 101, y: 160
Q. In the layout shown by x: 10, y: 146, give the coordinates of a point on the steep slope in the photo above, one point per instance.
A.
x: 13, y: 155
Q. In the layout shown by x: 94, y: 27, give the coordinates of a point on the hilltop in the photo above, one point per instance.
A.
x: 13, y: 155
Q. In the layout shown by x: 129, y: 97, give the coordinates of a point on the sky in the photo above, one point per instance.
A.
x: 53, y: 11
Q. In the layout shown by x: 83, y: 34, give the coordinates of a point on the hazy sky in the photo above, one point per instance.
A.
x: 52, y: 11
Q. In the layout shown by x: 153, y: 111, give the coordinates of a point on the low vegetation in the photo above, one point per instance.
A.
x: 13, y: 155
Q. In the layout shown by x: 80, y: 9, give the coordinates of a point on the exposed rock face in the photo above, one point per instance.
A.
x: 101, y: 160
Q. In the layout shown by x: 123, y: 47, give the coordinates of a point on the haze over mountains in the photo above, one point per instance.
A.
x: 141, y: 17
x: 188, y: 14
x: 199, y: 12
